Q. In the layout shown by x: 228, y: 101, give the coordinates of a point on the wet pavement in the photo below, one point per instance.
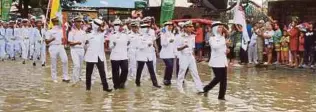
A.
x: 28, y: 88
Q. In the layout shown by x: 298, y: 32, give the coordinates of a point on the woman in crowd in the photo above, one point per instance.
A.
x: 301, y: 49
x: 285, y: 41
x: 276, y: 39
x: 294, y: 40
x: 268, y: 42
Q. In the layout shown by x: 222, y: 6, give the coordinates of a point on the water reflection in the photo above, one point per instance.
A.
x: 28, y: 88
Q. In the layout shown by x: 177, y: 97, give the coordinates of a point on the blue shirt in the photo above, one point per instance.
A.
x: 249, y: 28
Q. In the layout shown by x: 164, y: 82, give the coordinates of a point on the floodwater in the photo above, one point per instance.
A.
x: 28, y: 88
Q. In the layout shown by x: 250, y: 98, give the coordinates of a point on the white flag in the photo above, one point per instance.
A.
x: 240, y: 18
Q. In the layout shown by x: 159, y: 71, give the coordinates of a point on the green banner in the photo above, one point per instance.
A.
x: 5, y: 9
x: 167, y: 9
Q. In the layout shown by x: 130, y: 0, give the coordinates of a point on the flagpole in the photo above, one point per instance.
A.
x: 46, y: 16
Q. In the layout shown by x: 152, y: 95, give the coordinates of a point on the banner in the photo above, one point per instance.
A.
x: 240, y: 18
x: 167, y: 9
x: 55, y: 12
x: 5, y: 9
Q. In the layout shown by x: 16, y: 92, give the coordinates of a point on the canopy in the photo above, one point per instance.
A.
x: 179, y: 3
x: 202, y: 21
x: 107, y: 3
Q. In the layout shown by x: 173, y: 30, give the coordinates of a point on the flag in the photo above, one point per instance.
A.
x: 5, y: 9
x: 55, y: 11
x: 240, y: 18
x: 167, y: 9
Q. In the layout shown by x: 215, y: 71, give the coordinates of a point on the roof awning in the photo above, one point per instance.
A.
x: 179, y: 3
x: 107, y: 4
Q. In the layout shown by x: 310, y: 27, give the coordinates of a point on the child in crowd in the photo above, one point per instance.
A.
x: 285, y: 41
x: 301, y: 49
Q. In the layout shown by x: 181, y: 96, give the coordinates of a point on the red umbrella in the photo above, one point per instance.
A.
x: 202, y: 21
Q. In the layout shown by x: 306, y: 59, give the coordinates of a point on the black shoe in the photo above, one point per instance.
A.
x: 2, y: 60
x: 167, y: 83
x: 38, y: 58
x: 34, y: 64
x: 23, y: 62
x: 205, y: 94
x: 107, y: 90
x: 43, y: 64
x: 122, y: 86
x: 138, y: 84
x: 13, y: 59
x: 157, y: 86
x: 66, y: 81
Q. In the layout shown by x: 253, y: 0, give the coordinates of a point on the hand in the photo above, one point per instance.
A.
x: 114, y: 43
x: 79, y: 43
x: 128, y: 42
x: 87, y: 42
x: 185, y: 46
x: 149, y: 45
x: 171, y: 40
x: 53, y: 39
x: 227, y: 51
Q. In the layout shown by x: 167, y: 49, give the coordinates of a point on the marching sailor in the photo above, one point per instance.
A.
x: 56, y: 48
x: 76, y: 40
x: 38, y: 38
x: 10, y: 34
x: 185, y: 46
x: 119, y: 60
x: 2, y: 40
x: 26, y: 39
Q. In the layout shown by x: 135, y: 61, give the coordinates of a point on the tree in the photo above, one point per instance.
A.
x: 23, y: 8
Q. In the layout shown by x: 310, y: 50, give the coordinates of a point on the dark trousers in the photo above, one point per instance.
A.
x: 243, y: 56
x: 89, y: 70
x: 119, y: 79
x: 168, y: 69
x: 220, y: 77
x: 150, y: 66
x: 308, y: 55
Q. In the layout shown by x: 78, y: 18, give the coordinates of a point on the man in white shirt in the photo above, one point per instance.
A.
x: 38, y: 38
x: 119, y: 60
x: 76, y: 40
x: 133, y: 36
x: 24, y: 30
x: 10, y: 34
x: 185, y: 46
x: 2, y: 40
x: 144, y: 55
x: 56, y: 48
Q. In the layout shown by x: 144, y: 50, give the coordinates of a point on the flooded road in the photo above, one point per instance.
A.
x: 28, y: 88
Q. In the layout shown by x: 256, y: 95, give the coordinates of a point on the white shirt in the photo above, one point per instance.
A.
x: 95, y: 47
x: 39, y: 36
x: 10, y: 34
x: 253, y: 40
x: 218, y: 52
x: 57, y: 33
x: 118, y: 51
x: 76, y: 35
x: 168, y: 49
x: 133, y: 38
x: 185, y: 39
x: 270, y: 34
x: 2, y: 34
x: 144, y: 52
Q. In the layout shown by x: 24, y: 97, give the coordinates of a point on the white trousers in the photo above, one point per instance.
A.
x: 77, y: 55
x: 2, y: 49
x: 253, y: 54
x: 32, y: 48
x: 37, y: 51
x: 18, y: 46
x: 10, y: 49
x: 132, y: 63
x: 188, y: 61
x: 25, y: 48
x: 55, y: 51
x: 43, y: 53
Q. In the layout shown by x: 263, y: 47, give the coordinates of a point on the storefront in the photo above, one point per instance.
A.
x: 111, y: 13
x: 70, y: 14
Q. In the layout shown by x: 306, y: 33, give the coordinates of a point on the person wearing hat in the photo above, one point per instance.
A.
x: 185, y: 46
x: 38, y: 38
x: 132, y: 48
x: 260, y: 41
x: 2, y: 40
x: 95, y: 54
x: 218, y: 60
x: 76, y: 40
x: 168, y: 51
x: 24, y: 30
x: 144, y: 55
x: 119, y: 59
x: 54, y: 41
x: 10, y: 35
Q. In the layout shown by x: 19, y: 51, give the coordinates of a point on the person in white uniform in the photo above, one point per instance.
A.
x: 56, y: 48
x: 95, y: 54
x: 185, y: 46
x: 144, y: 55
x: 168, y: 51
x: 38, y: 38
x: 76, y: 40
x: 119, y: 59
x: 10, y: 34
x: 18, y: 44
x: 2, y: 40
x: 133, y: 35
x: 26, y: 40
x: 218, y: 60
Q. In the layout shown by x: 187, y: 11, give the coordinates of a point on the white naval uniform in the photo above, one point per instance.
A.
x: 218, y: 55
x: 38, y: 36
x: 77, y: 51
x: 18, y: 44
x: 2, y: 43
x: 95, y: 51
x: 32, y: 41
x: 152, y: 36
x: 187, y: 60
x: 26, y: 42
x: 119, y: 51
x: 168, y: 49
x: 132, y: 48
x: 57, y: 49
x: 10, y: 35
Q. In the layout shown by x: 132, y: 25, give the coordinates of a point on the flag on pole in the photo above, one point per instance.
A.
x: 240, y: 18
x: 55, y: 11
x: 167, y: 9
x: 5, y: 9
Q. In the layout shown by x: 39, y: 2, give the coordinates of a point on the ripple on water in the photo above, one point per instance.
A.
x: 44, y: 100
